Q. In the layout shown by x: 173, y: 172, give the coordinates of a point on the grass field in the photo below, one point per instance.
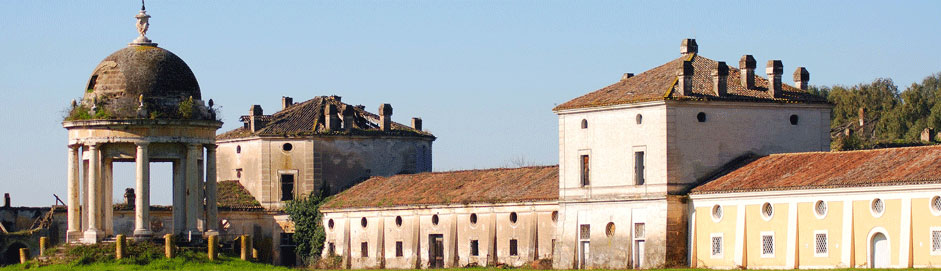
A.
x: 225, y: 263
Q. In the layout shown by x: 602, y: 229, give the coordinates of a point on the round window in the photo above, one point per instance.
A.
x: 794, y: 119
x: 363, y: 222
x: 513, y: 217
x: 473, y: 219
x: 820, y: 208
x: 716, y: 212
x: 767, y: 210
x: 878, y: 207
x: 398, y: 221
x: 330, y: 224
x: 555, y: 216
x: 936, y: 205
x: 701, y: 117
x: 584, y: 124
x: 238, y: 149
x: 609, y: 229
x: 434, y: 220
x: 640, y: 119
x: 287, y: 147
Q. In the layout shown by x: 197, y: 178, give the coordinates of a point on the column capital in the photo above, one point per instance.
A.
x: 142, y: 144
x: 75, y: 147
x: 210, y: 147
x: 193, y: 146
x: 92, y: 146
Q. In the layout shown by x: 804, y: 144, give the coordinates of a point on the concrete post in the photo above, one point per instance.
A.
x: 168, y: 245
x: 43, y: 244
x: 24, y: 255
x: 75, y: 206
x: 119, y: 246
x: 212, y: 209
x: 192, y: 151
x: 245, y: 247
x: 213, y: 244
x: 142, y: 201
x: 91, y: 235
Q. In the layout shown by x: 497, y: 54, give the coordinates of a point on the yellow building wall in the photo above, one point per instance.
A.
x: 864, y: 222
x: 922, y: 221
x: 706, y: 227
x: 755, y: 225
x: 809, y: 224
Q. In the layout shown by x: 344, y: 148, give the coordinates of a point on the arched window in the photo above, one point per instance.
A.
x: 584, y: 124
x: 701, y: 117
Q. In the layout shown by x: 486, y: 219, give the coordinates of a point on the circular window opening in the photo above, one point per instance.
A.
x: 584, y: 124
x: 473, y: 219
x: 936, y: 205
x: 434, y: 220
x: 794, y: 119
x: 820, y: 208
x: 609, y: 229
x: 555, y: 216
x: 513, y: 217
x: 717, y: 212
x: 363, y: 222
x: 330, y: 224
x: 701, y: 117
x: 238, y: 149
x: 398, y: 221
x: 640, y: 119
x: 287, y: 147
x: 767, y: 210
x: 878, y: 207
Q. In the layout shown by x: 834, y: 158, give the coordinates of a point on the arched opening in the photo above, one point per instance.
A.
x: 879, y: 251
x: 12, y: 254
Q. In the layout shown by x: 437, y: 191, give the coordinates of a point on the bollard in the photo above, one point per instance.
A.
x: 119, y: 244
x: 168, y: 245
x: 43, y: 243
x: 213, y: 243
x: 24, y: 255
x: 254, y: 253
x: 245, y: 247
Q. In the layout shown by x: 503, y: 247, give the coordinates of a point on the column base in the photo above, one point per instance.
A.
x: 143, y: 234
x: 211, y: 233
x: 74, y: 236
x: 92, y: 236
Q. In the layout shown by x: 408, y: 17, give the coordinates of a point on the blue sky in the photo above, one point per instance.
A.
x: 483, y: 75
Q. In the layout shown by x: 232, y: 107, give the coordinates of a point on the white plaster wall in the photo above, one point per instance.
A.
x: 611, y: 252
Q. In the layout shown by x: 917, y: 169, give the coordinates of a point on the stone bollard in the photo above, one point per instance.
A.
x: 254, y: 253
x: 168, y: 245
x: 246, y: 247
x: 119, y: 245
x: 43, y: 244
x: 213, y: 244
x: 24, y: 255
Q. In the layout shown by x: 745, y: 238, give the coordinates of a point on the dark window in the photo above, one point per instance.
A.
x: 701, y: 117
x: 398, y: 221
x: 584, y: 124
x: 475, y: 248
x: 238, y: 173
x: 794, y: 119
x: 585, y: 181
x: 398, y: 249
x: 287, y: 147
x: 555, y: 216
x: 238, y: 149
x: 473, y: 219
x: 330, y: 223
x: 364, y: 249
x: 513, y: 251
x: 92, y: 82
x: 362, y: 221
x: 640, y: 119
x: 513, y: 217
x: 287, y: 187
x: 287, y: 239
x: 638, y: 168
x: 331, y: 249
x: 434, y: 219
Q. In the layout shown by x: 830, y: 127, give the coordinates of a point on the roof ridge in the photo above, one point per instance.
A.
x: 853, y: 151
x: 480, y: 169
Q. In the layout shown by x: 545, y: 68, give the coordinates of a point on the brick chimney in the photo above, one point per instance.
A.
x: 801, y: 77
x: 927, y: 134
x: 286, y: 102
x: 689, y: 47
x: 775, y: 71
x: 348, y: 117
x: 255, y: 118
x: 747, y: 66
x: 626, y: 75
x: 684, y: 79
x: 331, y: 118
x: 416, y: 123
x: 862, y: 116
x: 129, y: 196
x: 720, y: 79
x: 6, y: 200
x: 385, y: 117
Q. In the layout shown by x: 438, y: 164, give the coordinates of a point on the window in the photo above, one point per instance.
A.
x: 639, y: 230
x: 820, y: 244
x: 238, y: 149
x: 820, y: 209
x: 362, y: 221
x: 474, y: 248
x: 640, y: 119
x: 716, y: 246
x: 330, y: 223
x: 638, y: 168
x: 398, y: 221
x: 584, y: 124
x: 701, y: 117
x: 473, y: 219
x: 936, y: 205
x: 398, y: 249
x: 767, y: 210
x: 364, y: 249
x: 878, y: 207
x: 513, y: 217
x: 794, y: 119
x: 513, y: 251
x: 287, y: 147
x: 434, y: 219
x: 767, y: 245
x: 555, y: 216
x: 609, y: 229
x: 331, y: 249
x: 91, y: 83
x: 935, y: 241
x: 238, y: 173
x: 585, y: 173
x: 716, y: 213
x: 287, y: 187
x: 584, y: 231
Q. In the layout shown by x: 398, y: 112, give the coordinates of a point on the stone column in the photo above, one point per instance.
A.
x: 75, y: 206
x: 142, y: 201
x: 179, y: 195
x: 106, y: 176
x: 192, y: 183
x: 94, y: 187
x: 212, y: 209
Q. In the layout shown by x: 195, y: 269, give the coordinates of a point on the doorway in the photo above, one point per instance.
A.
x: 879, y: 251
x: 639, y: 254
x: 436, y: 251
x: 583, y: 255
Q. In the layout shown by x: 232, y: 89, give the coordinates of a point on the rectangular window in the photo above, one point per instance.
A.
x: 584, y: 170
x: 767, y: 245
x: 364, y: 249
x: 584, y: 232
x: 475, y: 248
x: 820, y: 244
x: 639, y: 168
x: 935, y: 241
x: 716, y: 246
x: 287, y: 187
x: 398, y: 249
x: 639, y: 230
x: 331, y: 249
x: 513, y: 251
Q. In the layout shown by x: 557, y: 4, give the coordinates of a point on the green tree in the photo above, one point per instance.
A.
x: 309, y: 233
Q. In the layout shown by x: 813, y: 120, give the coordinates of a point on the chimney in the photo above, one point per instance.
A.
x: 684, y: 79
x: 927, y: 134
x: 129, y: 197
x: 774, y: 70
x: 862, y: 116
x: 720, y: 79
x: 801, y: 77
x: 689, y: 47
x: 348, y: 117
x: 254, y: 118
x: 6, y: 200
x: 330, y: 117
x: 286, y: 102
x: 385, y: 117
x: 336, y: 98
x: 747, y: 66
x: 626, y: 75
x: 416, y: 123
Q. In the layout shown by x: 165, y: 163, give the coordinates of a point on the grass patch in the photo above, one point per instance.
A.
x: 180, y: 263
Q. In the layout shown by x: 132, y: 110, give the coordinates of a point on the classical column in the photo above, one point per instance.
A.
x: 94, y: 185
x: 142, y: 201
x: 179, y: 195
x: 192, y: 195
x: 212, y: 210
x: 75, y: 206
x: 106, y: 176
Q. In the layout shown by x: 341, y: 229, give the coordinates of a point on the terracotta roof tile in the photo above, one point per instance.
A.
x: 659, y: 83
x: 233, y: 196
x: 502, y: 185
x: 891, y: 166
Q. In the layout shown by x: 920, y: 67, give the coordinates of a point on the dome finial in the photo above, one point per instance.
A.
x: 143, y: 23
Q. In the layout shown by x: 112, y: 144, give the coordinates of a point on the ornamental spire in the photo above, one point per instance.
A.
x: 143, y: 23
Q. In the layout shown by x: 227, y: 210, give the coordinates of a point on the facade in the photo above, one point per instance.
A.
x: 321, y: 143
